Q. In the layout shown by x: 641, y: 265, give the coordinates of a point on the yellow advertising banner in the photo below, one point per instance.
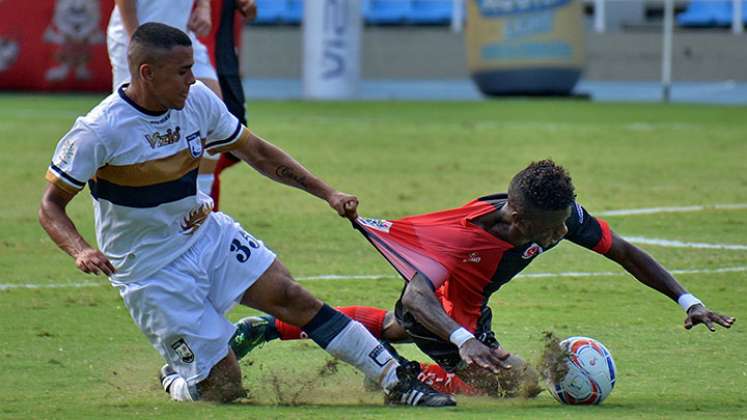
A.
x: 514, y: 35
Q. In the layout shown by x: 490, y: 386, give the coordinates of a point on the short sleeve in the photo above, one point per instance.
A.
x: 77, y: 157
x: 588, y: 231
x: 223, y: 128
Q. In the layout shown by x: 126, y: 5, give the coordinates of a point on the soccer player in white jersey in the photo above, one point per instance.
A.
x: 190, y: 16
x: 179, y: 266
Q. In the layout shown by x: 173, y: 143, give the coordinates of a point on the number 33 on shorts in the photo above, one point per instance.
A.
x: 239, y: 246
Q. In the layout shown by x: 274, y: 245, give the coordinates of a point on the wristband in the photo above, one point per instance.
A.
x: 460, y: 336
x: 687, y: 300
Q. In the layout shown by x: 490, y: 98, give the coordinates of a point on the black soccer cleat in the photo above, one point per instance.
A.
x: 166, y: 375
x: 410, y: 391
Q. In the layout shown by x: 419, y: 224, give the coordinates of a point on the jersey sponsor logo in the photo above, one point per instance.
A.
x: 183, y: 351
x: 376, y: 224
x: 473, y: 258
x: 195, y: 144
x: 158, y: 140
x: 532, y: 251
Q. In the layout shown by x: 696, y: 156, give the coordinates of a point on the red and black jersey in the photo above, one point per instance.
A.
x: 465, y: 263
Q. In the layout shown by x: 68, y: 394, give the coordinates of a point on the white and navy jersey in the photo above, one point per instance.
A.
x: 141, y: 168
x: 170, y: 12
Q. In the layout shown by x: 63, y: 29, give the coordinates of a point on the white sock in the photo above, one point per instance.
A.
x: 180, y: 390
x: 355, y: 345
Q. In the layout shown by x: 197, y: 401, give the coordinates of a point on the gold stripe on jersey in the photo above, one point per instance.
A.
x: 241, y: 139
x: 150, y: 172
x: 59, y: 183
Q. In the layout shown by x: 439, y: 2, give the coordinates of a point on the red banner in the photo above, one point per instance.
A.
x: 54, y: 45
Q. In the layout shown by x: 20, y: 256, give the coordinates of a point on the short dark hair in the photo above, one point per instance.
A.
x: 152, y: 39
x: 543, y: 186
x: 159, y: 35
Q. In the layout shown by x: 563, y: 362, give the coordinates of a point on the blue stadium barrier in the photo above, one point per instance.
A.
x: 294, y: 12
x: 431, y: 12
x: 270, y: 12
x: 387, y: 12
x: 704, y: 13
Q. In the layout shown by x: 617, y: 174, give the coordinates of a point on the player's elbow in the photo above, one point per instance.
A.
x: 409, y: 300
x: 43, y: 214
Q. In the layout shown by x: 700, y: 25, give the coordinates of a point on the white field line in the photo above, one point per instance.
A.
x: 736, y: 269
x: 680, y: 244
x: 684, y: 209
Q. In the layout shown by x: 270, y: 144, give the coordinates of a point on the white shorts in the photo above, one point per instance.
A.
x: 202, y: 69
x: 181, y: 308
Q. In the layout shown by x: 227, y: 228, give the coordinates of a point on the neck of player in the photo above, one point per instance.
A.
x: 138, y: 94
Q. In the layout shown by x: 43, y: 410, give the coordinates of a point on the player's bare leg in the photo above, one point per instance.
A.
x: 224, y: 382
x: 392, y: 331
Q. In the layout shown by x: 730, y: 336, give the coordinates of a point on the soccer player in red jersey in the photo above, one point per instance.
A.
x: 454, y: 260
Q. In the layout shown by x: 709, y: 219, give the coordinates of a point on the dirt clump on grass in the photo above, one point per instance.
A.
x: 296, y: 390
x: 552, y: 365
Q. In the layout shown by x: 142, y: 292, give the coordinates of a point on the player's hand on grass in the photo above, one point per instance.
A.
x: 345, y: 205
x: 247, y: 8
x: 93, y: 261
x: 475, y: 352
x: 699, y: 314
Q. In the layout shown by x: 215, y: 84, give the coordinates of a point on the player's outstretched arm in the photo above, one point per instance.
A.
x: 420, y: 301
x: 128, y: 13
x: 199, y: 20
x: 59, y: 227
x: 273, y: 162
x: 649, y: 272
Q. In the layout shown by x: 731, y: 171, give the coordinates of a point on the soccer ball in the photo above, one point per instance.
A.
x: 591, y: 372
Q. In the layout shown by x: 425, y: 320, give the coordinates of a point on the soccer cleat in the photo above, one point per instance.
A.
x: 251, y: 332
x: 410, y: 391
x: 166, y: 375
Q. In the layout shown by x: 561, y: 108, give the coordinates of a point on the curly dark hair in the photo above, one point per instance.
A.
x: 543, y: 186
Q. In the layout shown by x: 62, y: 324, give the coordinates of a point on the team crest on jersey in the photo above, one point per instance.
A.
x: 157, y: 139
x: 195, y: 144
x: 195, y: 218
x: 376, y: 224
x: 532, y: 251
x: 183, y: 351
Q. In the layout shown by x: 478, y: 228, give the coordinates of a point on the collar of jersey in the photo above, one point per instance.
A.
x: 132, y: 103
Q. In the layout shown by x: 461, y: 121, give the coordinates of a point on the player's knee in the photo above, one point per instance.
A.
x: 222, y: 392
x: 224, y: 382
x: 300, y: 300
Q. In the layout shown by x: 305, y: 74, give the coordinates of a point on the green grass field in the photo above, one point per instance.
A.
x: 73, y: 352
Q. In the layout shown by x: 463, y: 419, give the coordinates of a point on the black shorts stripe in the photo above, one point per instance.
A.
x: 67, y: 177
x: 145, y: 197
x: 227, y: 140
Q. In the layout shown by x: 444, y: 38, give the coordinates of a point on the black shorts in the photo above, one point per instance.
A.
x: 441, y: 351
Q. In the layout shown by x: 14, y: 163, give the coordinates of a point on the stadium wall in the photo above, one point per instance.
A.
x: 437, y: 53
